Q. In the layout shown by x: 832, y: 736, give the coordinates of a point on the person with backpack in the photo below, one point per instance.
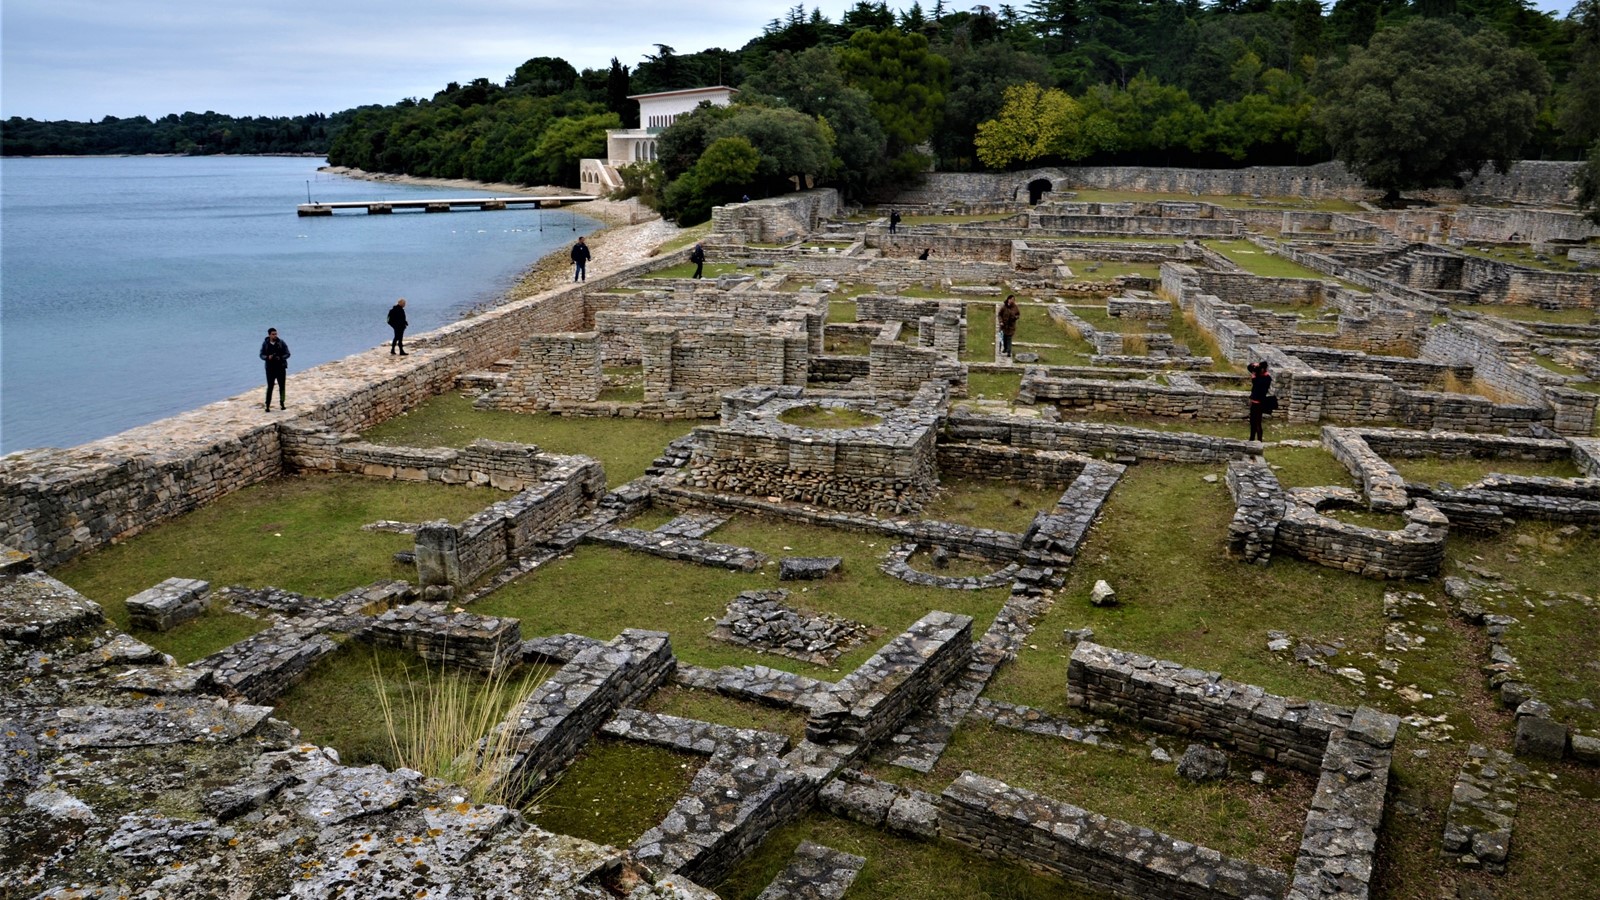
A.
x: 1261, y: 401
x: 698, y: 257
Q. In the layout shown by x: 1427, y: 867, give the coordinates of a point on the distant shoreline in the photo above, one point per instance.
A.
x: 618, y: 218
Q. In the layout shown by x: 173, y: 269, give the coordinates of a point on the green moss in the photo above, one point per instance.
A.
x: 1257, y: 261
x: 615, y: 791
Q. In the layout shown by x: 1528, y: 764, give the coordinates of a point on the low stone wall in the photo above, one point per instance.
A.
x: 457, y: 639
x: 169, y: 604
x: 1091, y: 850
x: 1259, y: 505
x: 1414, y: 551
x: 1053, y: 538
x: 692, y: 370
x: 1380, y: 482
x: 551, y: 370
x: 1138, y: 397
x: 775, y: 219
x: 552, y: 725
x: 457, y: 555
x: 896, y: 368
x: 1168, y: 697
x: 887, y: 467
x: 1092, y: 439
x: 871, y: 702
x: 262, y: 667
x: 1040, y: 468
x: 1338, y: 846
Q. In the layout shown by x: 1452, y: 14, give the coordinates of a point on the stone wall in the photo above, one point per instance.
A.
x: 873, y: 701
x: 1168, y: 697
x: 888, y: 467
x: 551, y: 371
x: 775, y: 219
x: 549, y: 728
x: 456, y: 639
x: 56, y: 504
x: 1137, y: 397
x: 1519, y: 226
x: 1093, y: 851
x: 897, y: 368
x: 1039, y: 468
x: 457, y: 555
x: 1259, y: 506
x: 1501, y: 357
x: 1093, y: 439
x: 691, y: 370
x: 1416, y: 550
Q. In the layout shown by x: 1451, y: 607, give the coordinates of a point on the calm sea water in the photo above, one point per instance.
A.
x: 135, y: 288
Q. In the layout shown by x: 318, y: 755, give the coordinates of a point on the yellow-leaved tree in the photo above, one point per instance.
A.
x: 1033, y: 123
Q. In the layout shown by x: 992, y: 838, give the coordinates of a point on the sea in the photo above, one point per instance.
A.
x: 134, y: 288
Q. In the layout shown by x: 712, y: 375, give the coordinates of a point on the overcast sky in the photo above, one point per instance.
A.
x: 86, y: 59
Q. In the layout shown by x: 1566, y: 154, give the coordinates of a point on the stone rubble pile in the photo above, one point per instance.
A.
x: 763, y: 620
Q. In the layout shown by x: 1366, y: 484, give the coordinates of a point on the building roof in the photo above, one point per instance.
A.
x: 718, y: 89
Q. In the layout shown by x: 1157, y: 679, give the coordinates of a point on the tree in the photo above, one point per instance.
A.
x: 1587, y: 180
x: 1032, y: 124
x: 906, y: 85
x: 720, y: 176
x: 979, y: 76
x: 810, y: 82
x: 1424, y: 105
x: 544, y: 76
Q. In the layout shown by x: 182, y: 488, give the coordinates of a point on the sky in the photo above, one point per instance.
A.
x: 83, y: 60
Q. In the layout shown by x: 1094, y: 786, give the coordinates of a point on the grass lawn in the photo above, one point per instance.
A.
x: 301, y: 534
x: 897, y: 868
x: 598, y: 591
x: 994, y: 385
x: 1259, y: 823
x: 1577, y: 316
x: 991, y: 503
x: 625, y: 447
x: 1461, y: 472
x: 1257, y: 261
x: 614, y: 791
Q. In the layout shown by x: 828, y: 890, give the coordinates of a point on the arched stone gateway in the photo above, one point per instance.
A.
x: 1037, y: 188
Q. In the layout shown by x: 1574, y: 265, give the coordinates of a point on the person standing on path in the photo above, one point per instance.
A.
x: 275, y: 354
x: 894, y: 220
x: 1260, y: 386
x: 1010, y: 312
x: 580, y: 259
x: 698, y: 257
x: 397, y: 321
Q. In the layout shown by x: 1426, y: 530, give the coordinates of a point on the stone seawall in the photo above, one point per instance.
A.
x: 57, y: 504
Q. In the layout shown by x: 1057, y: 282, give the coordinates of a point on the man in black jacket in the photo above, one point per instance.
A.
x: 397, y: 321
x: 275, y: 354
x: 580, y: 259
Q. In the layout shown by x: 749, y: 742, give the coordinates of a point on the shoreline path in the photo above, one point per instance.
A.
x: 627, y: 237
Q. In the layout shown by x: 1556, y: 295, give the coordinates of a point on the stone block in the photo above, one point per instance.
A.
x: 808, y: 568
x: 1541, y: 737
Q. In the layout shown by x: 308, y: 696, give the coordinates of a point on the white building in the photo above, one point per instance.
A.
x: 626, y: 146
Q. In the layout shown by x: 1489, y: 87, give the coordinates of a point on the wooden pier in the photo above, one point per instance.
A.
x: 383, y: 207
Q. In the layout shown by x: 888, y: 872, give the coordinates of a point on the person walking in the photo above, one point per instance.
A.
x: 275, y: 353
x: 698, y: 257
x: 580, y: 259
x: 1260, y: 386
x: 1010, y: 312
x: 397, y: 321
